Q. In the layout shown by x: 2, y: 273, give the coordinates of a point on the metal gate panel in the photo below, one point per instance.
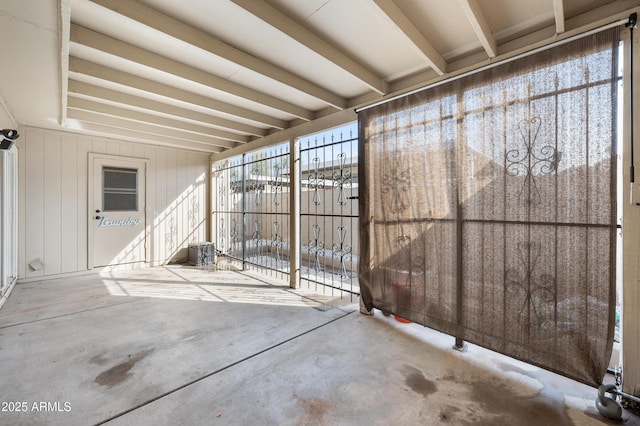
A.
x: 266, y: 204
x: 252, y: 213
x: 228, y: 210
x: 329, y: 213
x: 251, y: 210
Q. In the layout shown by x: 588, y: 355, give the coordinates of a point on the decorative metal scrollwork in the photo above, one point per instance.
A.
x: 276, y: 240
x: 257, y: 236
x: 316, y: 180
x: 537, y: 292
x: 316, y: 247
x: 531, y: 161
x: 276, y: 184
x: 342, y: 178
x: 236, y: 187
x: 342, y: 252
x: 257, y: 187
x: 222, y: 191
x: 395, y: 182
x: 222, y: 233
x: 234, y: 231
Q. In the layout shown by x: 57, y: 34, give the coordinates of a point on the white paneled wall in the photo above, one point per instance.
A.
x: 53, y: 204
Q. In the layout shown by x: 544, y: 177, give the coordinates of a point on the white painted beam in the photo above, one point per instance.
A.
x: 81, y: 66
x: 103, y: 43
x: 143, y: 117
x: 295, y: 213
x: 404, y: 24
x: 5, y: 110
x: 181, y: 31
x: 122, y: 123
x: 141, y: 137
x: 480, y: 26
x: 320, y: 124
x: 65, y: 24
x: 302, y: 35
x: 89, y: 90
x: 558, y: 11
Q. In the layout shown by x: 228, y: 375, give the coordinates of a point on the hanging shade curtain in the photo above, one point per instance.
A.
x: 488, y: 207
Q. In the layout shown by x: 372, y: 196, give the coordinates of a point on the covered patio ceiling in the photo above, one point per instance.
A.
x: 222, y: 76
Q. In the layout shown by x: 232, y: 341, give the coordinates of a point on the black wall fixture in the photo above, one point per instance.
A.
x: 8, y: 136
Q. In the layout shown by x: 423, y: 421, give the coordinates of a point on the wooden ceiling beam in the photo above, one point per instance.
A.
x: 179, y: 30
x: 140, y: 137
x: 404, y: 24
x: 64, y: 23
x: 117, y: 111
x: 302, y: 35
x: 480, y: 26
x: 82, y: 66
x: 123, y: 123
x: 102, y: 93
x: 103, y: 43
x: 558, y: 11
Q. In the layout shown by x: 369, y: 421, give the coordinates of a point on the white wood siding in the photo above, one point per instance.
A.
x: 53, y: 188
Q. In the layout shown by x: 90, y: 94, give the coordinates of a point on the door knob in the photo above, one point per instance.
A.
x: 98, y: 218
x: 97, y: 211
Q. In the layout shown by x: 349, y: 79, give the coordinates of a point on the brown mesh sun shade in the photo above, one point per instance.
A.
x: 488, y: 207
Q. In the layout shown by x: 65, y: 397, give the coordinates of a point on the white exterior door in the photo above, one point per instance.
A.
x: 117, y: 209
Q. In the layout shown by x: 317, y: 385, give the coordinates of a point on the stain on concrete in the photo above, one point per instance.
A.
x: 501, y: 407
x: 99, y: 359
x: 448, y: 414
x: 315, y: 410
x: 119, y: 373
x: 418, y: 383
x: 448, y: 378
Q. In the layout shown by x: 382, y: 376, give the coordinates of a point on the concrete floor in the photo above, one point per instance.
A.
x: 180, y: 346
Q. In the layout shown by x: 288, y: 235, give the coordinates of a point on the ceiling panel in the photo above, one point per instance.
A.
x: 433, y: 19
x: 516, y: 17
x: 574, y: 8
x: 104, y: 21
x: 361, y: 29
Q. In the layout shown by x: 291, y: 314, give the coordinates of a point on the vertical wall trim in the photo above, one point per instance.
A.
x: 244, y: 209
x: 22, y: 172
x: 294, y: 213
x: 630, y: 239
x: 8, y: 222
x: 5, y: 231
x: 208, y: 191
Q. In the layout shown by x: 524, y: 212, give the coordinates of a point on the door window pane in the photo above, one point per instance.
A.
x: 120, y: 189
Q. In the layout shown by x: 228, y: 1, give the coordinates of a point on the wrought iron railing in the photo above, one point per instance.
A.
x: 251, y: 212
